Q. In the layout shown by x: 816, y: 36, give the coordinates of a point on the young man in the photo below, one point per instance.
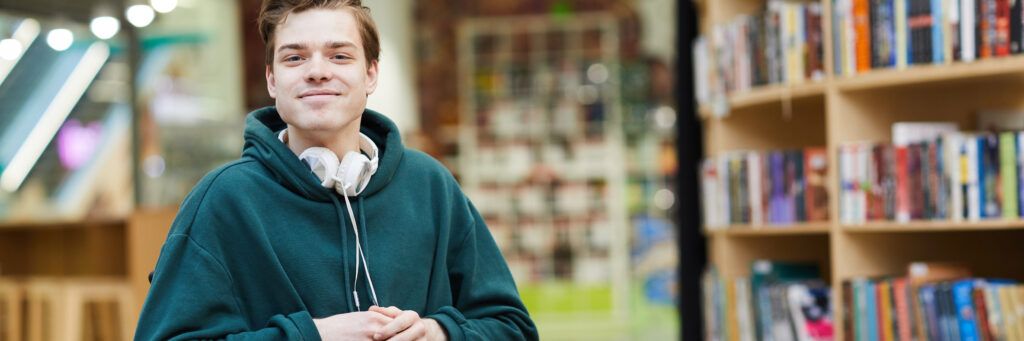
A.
x: 327, y: 218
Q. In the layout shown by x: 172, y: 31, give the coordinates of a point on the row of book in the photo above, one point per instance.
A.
x: 932, y: 171
x: 871, y: 34
x: 765, y: 188
x: 943, y: 303
x: 779, y: 301
x: 781, y: 44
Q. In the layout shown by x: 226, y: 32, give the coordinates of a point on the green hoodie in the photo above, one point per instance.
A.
x: 259, y: 248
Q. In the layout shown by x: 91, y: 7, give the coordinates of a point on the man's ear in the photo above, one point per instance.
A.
x: 371, y: 78
x: 271, y: 82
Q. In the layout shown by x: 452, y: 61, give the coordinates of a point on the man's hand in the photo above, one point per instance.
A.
x: 407, y: 325
x: 351, y: 326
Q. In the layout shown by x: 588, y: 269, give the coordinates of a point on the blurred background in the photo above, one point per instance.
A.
x: 558, y: 118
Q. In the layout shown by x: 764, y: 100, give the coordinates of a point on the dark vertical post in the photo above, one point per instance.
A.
x: 689, y: 147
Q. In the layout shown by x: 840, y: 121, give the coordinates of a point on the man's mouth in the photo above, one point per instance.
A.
x: 319, y: 93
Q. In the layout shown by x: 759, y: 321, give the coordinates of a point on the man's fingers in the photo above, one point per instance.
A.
x: 404, y: 320
x: 415, y: 332
x: 391, y: 312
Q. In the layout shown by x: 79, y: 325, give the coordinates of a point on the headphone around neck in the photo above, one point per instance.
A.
x: 349, y: 176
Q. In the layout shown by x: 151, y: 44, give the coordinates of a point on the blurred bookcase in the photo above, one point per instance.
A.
x: 835, y: 108
x: 544, y: 155
x: 75, y: 123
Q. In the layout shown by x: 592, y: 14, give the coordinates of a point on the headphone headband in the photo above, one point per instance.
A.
x: 350, y: 175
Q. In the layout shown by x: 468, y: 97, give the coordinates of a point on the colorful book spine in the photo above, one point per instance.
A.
x: 1008, y: 173
x: 938, y: 39
x: 862, y: 28
x: 963, y: 300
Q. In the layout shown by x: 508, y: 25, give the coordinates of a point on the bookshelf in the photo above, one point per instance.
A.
x: 123, y: 249
x: 841, y: 109
x: 770, y: 95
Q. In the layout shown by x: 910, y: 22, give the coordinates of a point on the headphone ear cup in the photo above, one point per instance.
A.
x: 323, y: 162
x: 352, y: 174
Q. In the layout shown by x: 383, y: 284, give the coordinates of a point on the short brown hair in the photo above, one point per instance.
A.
x: 273, y: 12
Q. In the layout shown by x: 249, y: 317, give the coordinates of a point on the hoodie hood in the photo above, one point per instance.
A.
x: 262, y: 144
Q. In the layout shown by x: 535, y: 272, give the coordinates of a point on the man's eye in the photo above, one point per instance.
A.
x: 292, y: 58
x: 341, y: 57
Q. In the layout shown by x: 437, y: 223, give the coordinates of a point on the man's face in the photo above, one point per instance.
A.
x: 320, y: 76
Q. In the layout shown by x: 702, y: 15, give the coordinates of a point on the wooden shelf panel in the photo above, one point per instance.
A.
x: 936, y: 226
x: 770, y: 94
x: 771, y: 230
x: 59, y: 224
x: 938, y: 73
x: 996, y: 253
x: 733, y: 256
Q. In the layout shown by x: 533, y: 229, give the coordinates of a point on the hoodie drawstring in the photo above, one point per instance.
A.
x: 362, y: 227
x: 344, y: 241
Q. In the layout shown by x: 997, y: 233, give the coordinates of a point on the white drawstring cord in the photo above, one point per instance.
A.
x: 359, y: 254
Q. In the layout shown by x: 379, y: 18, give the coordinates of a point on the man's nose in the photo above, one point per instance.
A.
x: 316, y: 70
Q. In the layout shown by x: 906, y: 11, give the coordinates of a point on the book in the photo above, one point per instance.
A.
x: 1008, y: 173
x: 900, y: 290
x: 966, y: 316
x: 885, y: 316
x: 810, y: 310
x: 816, y: 186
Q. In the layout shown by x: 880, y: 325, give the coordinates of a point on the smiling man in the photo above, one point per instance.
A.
x: 328, y: 227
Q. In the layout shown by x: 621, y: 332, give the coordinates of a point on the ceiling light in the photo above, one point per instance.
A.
x: 164, y: 6
x: 60, y: 39
x: 104, y: 27
x: 10, y: 49
x: 140, y: 15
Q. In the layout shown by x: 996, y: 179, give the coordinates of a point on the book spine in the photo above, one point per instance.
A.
x: 1020, y: 172
x: 871, y: 308
x: 965, y: 314
x: 862, y: 26
x: 900, y: 18
x: 1015, y: 26
x: 1002, y: 44
x: 1008, y: 173
x: 754, y: 188
x: 938, y: 25
x: 952, y: 146
x: 983, y: 171
x: 929, y: 306
x: 967, y: 30
x: 885, y: 316
x: 981, y: 312
x: 837, y: 37
x: 902, y: 184
x: 799, y: 186
x: 953, y: 31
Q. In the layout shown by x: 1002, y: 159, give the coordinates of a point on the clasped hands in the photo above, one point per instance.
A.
x: 379, y: 324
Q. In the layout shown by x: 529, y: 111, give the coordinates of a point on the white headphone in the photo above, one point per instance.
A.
x: 348, y: 177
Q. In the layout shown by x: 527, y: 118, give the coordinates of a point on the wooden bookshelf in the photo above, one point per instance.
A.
x: 771, y: 95
x: 938, y: 73
x: 935, y: 226
x: 124, y: 249
x: 863, y: 107
x: 771, y: 230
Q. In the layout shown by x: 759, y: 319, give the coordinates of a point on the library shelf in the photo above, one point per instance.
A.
x: 812, y: 228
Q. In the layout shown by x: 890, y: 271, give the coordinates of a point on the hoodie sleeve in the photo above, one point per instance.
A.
x: 192, y: 298
x: 486, y: 302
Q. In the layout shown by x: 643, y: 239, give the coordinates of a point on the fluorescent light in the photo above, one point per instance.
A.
x: 60, y: 39
x: 54, y: 115
x: 11, y: 49
x: 105, y: 27
x: 164, y: 6
x: 26, y: 32
x: 140, y: 15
